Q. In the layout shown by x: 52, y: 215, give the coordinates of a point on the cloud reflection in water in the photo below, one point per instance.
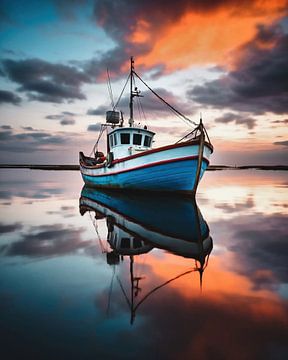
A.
x: 240, y: 313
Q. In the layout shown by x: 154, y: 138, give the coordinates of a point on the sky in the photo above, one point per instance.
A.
x: 224, y: 59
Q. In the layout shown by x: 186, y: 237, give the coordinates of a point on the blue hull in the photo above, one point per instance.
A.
x: 175, y: 176
x: 172, y: 216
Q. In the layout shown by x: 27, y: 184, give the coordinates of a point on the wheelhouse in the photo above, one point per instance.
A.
x: 125, y: 243
x: 128, y: 141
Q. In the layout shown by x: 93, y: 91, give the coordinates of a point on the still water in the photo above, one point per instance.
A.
x: 86, y: 274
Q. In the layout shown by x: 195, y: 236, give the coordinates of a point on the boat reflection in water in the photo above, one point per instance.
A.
x: 137, y: 224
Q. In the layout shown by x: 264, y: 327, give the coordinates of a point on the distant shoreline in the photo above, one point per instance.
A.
x: 76, y: 167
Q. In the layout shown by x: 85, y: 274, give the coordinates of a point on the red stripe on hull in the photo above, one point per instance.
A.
x: 151, y: 165
x: 152, y: 151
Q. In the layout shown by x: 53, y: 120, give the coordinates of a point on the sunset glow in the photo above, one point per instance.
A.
x: 226, y: 60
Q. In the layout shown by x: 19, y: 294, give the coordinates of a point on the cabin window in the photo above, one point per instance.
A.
x: 125, y: 243
x: 125, y: 138
x: 115, y: 139
x: 147, y: 140
x: 111, y: 140
x: 137, y: 243
x: 137, y: 139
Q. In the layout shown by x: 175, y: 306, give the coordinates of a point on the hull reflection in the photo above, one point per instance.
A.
x: 137, y: 224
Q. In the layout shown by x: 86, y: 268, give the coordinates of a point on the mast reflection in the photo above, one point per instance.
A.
x: 138, y: 223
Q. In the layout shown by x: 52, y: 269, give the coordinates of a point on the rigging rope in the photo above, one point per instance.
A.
x: 183, y: 117
x: 119, y: 98
x: 110, y: 89
x: 94, y: 150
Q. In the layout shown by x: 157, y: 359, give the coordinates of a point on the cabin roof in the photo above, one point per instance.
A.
x: 131, y: 129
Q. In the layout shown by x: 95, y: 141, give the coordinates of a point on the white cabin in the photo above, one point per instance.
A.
x: 127, y: 141
x: 125, y: 243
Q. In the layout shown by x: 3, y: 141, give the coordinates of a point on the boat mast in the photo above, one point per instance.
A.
x: 131, y: 120
x: 133, y: 92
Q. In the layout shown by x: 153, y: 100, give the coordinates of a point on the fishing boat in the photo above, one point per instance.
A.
x: 132, y: 164
x: 177, y: 227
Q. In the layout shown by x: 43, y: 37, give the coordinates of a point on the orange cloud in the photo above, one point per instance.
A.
x: 228, y: 282
x: 199, y: 38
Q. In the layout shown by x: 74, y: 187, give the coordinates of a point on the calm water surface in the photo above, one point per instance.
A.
x: 86, y: 275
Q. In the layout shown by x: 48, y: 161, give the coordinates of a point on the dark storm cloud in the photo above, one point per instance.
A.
x: 94, y: 127
x: 259, y: 84
x: 239, y: 119
x: 65, y: 118
x: 44, y: 81
x: 284, y: 143
x: 9, y: 97
x: 29, y: 140
x: 48, y: 240
x: 120, y: 19
x: 7, y: 228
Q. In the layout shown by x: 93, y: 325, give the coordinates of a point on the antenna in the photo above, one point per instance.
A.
x: 131, y: 120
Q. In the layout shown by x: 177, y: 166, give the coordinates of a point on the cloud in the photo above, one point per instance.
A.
x: 100, y: 110
x: 149, y: 104
x: 66, y: 118
x: 262, y: 245
x: 33, y: 190
x: 239, y: 119
x: 94, y: 127
x: 237, y: 207
x: 259, y: 82
x: 30, y: 140
x: 44, y: 81
x: 284, y: 143
x: 67, y: 122
x: 136, y: 29
x: 48, y: 240
x: 258, y: 243
x: 7, y: 228
x: 65, y: 211
x: 256, y: 325
x: 9, y: 97
x: 285, y: 121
